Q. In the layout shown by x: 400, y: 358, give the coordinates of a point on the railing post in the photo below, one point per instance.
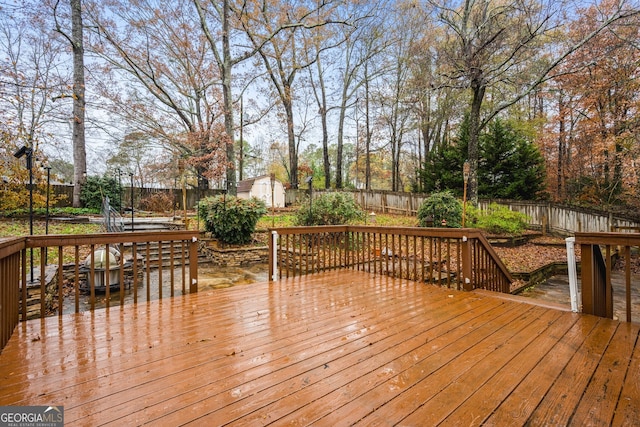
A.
x: 467, y: 272
x: 586, y: 270
x: 193, y: 265
x: 347, y: 249
x: 273, y: 256
x: 573, y: 276
x: 596, y: 282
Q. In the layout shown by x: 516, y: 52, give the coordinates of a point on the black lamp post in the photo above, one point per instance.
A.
x: 198, y: 201
x: 272, y: 177
x: 466, y: 170
x: 119, y: 172
x: 131, y: 175
x: 26, y: 151
x: 46, y: 217
x: 46, y: 221
x: 309, y: 181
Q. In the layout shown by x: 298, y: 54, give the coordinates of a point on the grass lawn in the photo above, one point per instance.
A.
x: 20, y: 227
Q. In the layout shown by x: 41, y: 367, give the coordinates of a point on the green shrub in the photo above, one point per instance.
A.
x: 97, y: 188
x: 330, y: 209
x: 439, y: 206
x: 499, y: 219
x: 230, y: 219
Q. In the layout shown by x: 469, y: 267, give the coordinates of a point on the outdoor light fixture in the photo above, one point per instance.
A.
x: 21, y: 152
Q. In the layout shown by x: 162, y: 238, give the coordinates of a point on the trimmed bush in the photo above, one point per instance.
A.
x: 501, y: 220
x: 330, y: 209
x: 230, y: 219
x: 440, y: 206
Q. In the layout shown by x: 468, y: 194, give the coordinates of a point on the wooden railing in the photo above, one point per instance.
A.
x: 596, y: 270
x: 66, y: 269
x: 455, y: 258
x: 11, y: 264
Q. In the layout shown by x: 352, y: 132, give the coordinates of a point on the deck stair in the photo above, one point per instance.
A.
x: 159, y: 225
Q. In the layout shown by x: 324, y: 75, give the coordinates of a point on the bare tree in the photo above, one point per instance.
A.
x: 76, y: 39
x: 279, y: 33
x: 361, y: 47
x: 490, y: 43
x: 172, y: 82
x: 30, y: 80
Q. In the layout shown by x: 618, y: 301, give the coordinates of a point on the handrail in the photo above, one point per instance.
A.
x: 458, y: 258
x: 597, y: 291
x: 12, y: 254
x: 69, y: 252
x: 113, y: 221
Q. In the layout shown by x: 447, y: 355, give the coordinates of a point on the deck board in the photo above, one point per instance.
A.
x: 336, y: 348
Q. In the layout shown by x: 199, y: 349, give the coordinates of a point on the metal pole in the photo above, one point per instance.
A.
x: 198, y: 203
x: 120, y: 190
x: 241, y: 137
x: 466, y: 169
x: 310, y: 197
x: 46, y: 223
x: 273, y: 211
x: 131, y: 175
x: 46, y: 218
x: 29, y: 153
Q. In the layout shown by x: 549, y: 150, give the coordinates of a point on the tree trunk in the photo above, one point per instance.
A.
x: 340, y: 145
x: 293, y: 152
x: 367, y: 159
x: 228, y: 101
x: 325, y: 149
x: 79, y: 149
x: 322, y: 105
x: 561, y: 145
x: 474, y: 133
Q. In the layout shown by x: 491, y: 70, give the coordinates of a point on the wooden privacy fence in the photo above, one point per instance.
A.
x: 547, y: 216
x: 68, y: 266
x: 596, y: 269
x: 455, y: 258
x: 64, y: 195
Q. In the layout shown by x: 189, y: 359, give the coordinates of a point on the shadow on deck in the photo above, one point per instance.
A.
x: 336, y: 348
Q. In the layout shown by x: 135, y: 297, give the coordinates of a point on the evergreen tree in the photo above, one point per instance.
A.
x: 497, y: 161
x: 443, y: 167
x: 510, y: 166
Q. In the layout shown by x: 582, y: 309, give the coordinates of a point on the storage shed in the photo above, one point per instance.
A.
x: 260, y: 188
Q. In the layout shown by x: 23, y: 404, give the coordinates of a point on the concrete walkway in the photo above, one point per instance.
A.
x: 556, y: 289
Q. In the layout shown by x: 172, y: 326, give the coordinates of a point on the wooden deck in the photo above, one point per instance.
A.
x: 336, y: 348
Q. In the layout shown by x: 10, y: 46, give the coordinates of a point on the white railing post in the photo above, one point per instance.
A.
x: 274, y: 255
x: 573, y: 276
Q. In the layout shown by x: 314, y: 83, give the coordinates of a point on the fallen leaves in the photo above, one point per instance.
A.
x: 530, y: 257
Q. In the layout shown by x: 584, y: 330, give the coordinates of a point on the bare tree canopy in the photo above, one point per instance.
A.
x: 352, y: 94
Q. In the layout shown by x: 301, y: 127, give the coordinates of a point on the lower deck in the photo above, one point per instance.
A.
x: 336, y: 348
